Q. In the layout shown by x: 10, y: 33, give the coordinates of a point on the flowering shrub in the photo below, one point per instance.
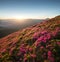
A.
x: 38, y: 43
x: 30, y: 49
x: 36, y: 35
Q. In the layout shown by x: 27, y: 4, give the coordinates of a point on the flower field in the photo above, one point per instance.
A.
x: 37, y: 43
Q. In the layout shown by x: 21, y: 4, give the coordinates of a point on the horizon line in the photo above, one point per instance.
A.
x: 14, y: 18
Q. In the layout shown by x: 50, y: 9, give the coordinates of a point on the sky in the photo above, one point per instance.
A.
x: 23, y: 9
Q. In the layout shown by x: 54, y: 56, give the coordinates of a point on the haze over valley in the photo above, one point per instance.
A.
x: 9, y: 26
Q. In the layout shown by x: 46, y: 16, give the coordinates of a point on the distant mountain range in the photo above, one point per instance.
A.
x: 8, y: 26
x: 37, y: 43
x: 11, y: 23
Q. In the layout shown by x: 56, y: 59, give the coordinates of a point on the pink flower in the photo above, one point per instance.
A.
x: 33, y: 55
x: 58, y: 43
x: 40, y: 38
x: 36, y: 35
x: 49, y: 53
x: 44, y: 32
x: 23, y: 45
x: 44, y: 39
x: 58, y: 29
x: 3, y: 50
x: 51, y: 59
x: 48, y: 36
x: 23, y: 50
x: 30, y: 49
x: 41, y: 47
x: 25, y: 59
x: 54, y: 33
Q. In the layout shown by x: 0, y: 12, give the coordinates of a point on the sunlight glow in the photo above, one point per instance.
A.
x: 22, y: 17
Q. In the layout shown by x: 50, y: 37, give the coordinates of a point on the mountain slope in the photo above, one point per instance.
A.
x: 38, y: 43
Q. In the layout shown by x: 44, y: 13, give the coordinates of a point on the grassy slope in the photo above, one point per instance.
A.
x: 34, y: 43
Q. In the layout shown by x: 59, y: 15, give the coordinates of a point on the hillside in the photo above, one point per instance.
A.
x: 37, y: 43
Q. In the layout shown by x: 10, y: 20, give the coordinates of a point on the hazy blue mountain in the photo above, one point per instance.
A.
x: 11, y: 25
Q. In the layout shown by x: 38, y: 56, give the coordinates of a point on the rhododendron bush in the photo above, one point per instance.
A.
x: 38, y: 43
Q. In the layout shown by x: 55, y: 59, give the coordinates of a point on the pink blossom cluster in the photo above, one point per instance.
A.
x: 23, y: 48
x: 50, y: 57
